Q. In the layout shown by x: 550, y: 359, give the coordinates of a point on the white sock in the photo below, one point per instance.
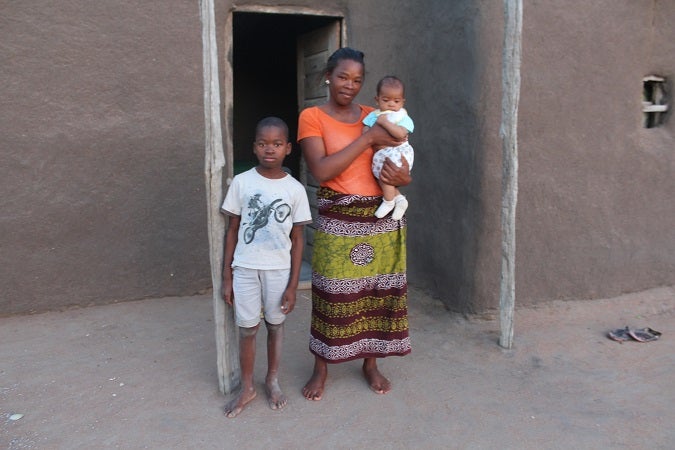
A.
x: 385, y: 207
x: 401, y: 204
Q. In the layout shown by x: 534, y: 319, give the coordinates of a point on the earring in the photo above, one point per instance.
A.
x: 327, y: 81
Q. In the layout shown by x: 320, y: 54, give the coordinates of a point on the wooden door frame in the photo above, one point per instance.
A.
x: 219, y: 158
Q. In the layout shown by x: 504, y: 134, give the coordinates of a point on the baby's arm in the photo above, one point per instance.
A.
x: 375, y: 147
x: 396, y: 131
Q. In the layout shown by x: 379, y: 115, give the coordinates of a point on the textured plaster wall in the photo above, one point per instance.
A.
x: 101, y: 153
x: 102, y: 149
x: 448, y: 53
x: 596, y: 210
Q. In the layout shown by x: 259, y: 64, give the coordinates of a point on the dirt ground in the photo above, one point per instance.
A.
x: 143, y: 375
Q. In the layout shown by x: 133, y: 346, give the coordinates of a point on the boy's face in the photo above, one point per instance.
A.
x: 390, y: 98
x: 271, y: 147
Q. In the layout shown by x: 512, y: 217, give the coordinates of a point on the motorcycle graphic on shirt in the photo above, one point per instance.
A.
x: 260, y: 213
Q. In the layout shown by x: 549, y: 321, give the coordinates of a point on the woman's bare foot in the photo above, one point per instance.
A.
x: 377, y: 382
x: 313, y: 389
x: 275, y: 398
x: 234, y: 407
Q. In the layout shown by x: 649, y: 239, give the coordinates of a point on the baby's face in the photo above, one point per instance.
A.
x: 390, y: 98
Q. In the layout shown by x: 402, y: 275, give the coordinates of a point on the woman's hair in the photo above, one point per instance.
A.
x: 344, y: 53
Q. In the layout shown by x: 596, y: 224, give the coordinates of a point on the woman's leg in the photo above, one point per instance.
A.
x: 376, y: 380
x: 313, y: 390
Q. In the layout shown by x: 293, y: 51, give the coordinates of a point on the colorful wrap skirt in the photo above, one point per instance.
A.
x: 359, y: 284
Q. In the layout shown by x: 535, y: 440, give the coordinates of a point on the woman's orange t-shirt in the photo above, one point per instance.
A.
x: 358, y: 177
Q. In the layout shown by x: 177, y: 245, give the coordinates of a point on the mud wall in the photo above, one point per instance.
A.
x: 595, y: 213
x: 595, y: 208
x: 102, y: 149
x: 101, y: 153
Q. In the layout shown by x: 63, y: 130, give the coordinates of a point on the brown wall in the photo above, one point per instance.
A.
x: 450, y: 61
x: 101, y: 153
x: 596, y: 210
x: 102, y: 149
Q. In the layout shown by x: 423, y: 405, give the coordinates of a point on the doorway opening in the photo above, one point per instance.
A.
x: 265, y: 78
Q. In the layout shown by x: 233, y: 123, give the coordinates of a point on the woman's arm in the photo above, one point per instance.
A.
x: 326, y: 167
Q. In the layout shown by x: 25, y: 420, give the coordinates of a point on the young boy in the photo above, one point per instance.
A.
x: 394, y: 118
x: 267, y: 210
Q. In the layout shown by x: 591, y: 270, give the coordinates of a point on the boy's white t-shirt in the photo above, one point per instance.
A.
x: 268, y: 209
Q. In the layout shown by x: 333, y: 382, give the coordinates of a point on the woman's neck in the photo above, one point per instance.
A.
x: 348, y: 113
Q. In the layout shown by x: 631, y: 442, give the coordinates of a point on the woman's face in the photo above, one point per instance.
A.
x: 345, y: 81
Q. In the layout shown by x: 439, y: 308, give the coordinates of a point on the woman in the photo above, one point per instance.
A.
x: 359, y: 286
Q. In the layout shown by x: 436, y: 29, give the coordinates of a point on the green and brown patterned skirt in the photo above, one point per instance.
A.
x: 359, y: 284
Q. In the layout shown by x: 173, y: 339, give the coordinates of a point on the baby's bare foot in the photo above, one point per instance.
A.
x: 275, y: 398
x: 234, y: 407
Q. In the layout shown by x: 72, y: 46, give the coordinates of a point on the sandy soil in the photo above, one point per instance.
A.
x: 142, y: 375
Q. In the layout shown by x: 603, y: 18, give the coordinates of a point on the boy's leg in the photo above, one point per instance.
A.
x: 247, y: 303
x: 275, y: 337
x: 274, y: 283
x: 246, y: 361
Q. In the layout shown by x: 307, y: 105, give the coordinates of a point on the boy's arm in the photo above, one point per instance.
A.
x: 231, y: 238
x: 396, y: 131
x: 297, y: 243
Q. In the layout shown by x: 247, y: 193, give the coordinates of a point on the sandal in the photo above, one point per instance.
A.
x: 620, y: 334
x: 644, y: 334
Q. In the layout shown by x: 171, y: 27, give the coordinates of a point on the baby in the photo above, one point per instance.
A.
x: 394, y: 118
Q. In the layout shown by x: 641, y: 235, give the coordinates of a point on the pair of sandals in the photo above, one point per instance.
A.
x: 640, y: 335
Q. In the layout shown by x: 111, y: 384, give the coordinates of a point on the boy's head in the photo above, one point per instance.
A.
x: 272, y: 122
x: 271, y: 143
x: 390, y: 94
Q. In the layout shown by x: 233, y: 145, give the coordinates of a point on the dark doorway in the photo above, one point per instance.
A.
x: 265, y: 77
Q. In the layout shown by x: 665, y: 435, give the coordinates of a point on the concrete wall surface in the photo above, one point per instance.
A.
x: 101, y: 153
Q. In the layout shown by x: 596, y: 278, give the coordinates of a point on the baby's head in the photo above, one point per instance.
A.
x: 390, y: 94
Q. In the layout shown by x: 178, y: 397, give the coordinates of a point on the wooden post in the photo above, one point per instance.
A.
x: 226, y: 331
x: 513, y: 18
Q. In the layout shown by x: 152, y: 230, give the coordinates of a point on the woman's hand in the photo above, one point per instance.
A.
x: 394, y: 175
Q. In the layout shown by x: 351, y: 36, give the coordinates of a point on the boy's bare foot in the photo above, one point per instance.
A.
x: 377, y: 382
x: 275, y: 398
x: 313, y: 390
x: 234, y: 407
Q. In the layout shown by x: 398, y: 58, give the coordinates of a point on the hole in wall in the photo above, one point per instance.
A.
x: 654, y: 101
